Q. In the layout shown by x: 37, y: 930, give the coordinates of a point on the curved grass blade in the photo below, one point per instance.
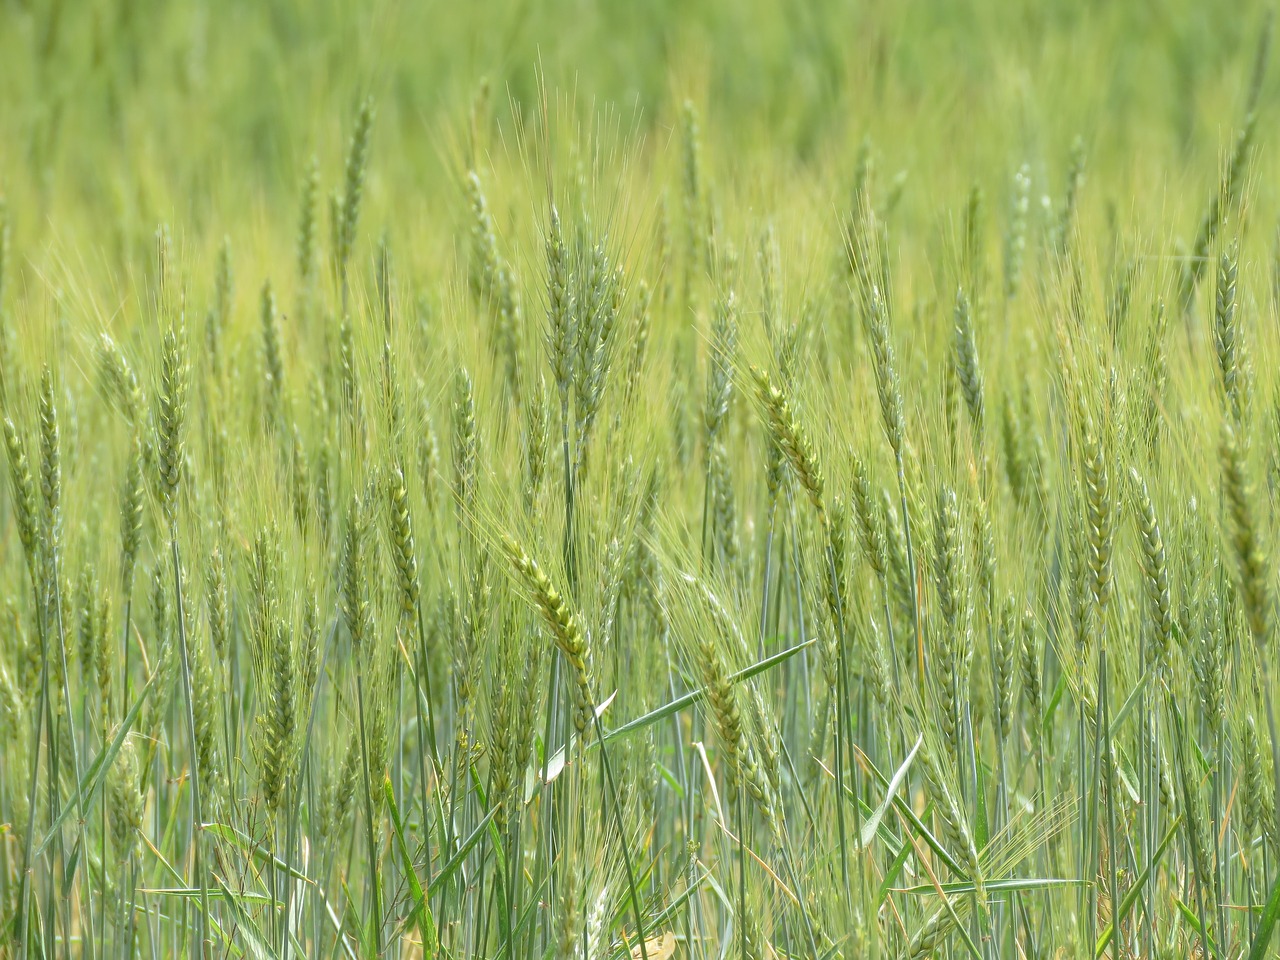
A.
x: 253, y: 849
x: 693, y: 696
x: 1007, y: 886
x: 454, y: 862
x: 1131, y: 897
x: 259, y: 945
x: 1266, y: 923
x: 905, y: 811
x: 891, y: 875
x: 97, y: 771
x: 421, y: 912
x: 872, y: 823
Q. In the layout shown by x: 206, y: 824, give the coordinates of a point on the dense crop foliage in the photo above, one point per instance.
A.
x: 623, y: 481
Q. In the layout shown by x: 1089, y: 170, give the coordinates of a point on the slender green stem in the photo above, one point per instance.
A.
x: 841, y: 735
x: 917, y: 635
x: 1113, y: 852
x: 197, y: 809
x: 623, y: 845
x: 375, y: 920
x: 28, y: 868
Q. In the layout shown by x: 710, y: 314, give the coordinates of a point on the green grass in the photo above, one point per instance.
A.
x: 630, y: 480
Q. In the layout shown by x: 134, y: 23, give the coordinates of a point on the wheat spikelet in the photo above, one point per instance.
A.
x: 1250, y: 557
x: 171, y: 419
x: 791, y: 439
x: 23, y: 492
x: 563, y: 626
x: 966, y: 362
x: 353, y: 185
x: 1155, y: 572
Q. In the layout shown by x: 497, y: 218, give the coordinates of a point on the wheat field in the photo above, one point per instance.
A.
x: 590, y: 481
